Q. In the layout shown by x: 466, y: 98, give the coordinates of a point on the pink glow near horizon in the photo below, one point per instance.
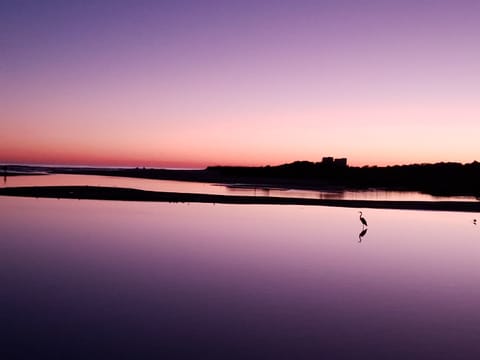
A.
x: 200, y: 85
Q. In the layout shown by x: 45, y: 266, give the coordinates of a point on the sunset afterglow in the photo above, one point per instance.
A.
x: 198, y: 83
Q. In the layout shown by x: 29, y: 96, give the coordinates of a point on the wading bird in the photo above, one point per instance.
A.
x: 362, y: 219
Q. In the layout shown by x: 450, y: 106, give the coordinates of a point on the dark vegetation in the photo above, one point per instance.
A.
x: 437, y: 179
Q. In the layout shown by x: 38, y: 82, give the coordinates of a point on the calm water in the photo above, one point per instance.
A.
x: 100, y: 279
x: 209, y: 188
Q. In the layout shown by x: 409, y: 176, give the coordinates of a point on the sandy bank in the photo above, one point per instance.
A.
x: 125, y: 194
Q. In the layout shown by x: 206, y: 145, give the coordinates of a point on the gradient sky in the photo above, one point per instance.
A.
x: 196, y: 83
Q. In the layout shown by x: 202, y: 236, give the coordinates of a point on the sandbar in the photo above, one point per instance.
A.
x: 128, y: 194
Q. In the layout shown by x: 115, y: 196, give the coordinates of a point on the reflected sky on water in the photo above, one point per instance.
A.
x: 220, y: 189
x: 237, y: 281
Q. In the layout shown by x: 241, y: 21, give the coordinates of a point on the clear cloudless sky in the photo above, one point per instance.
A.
x: 195, y: 83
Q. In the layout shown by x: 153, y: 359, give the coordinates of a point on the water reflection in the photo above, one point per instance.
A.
x: 362, y: 234
x: 331, y: 195
x: 144, y: 280
x: 217, y: 189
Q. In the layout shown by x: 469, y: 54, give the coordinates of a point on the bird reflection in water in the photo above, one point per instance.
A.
x: 362, y: 234
x: 364, y: 230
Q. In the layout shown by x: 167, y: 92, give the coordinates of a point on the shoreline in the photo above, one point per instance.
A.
x: 458, y: 179
x: 128, y: 194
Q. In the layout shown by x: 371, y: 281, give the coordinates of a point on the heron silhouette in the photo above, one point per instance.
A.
x: 362, y: 220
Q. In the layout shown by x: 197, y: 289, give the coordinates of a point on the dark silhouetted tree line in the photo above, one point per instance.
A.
x: 437, y: 179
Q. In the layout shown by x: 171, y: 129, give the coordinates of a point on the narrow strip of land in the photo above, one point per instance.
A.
x: 127, y: 194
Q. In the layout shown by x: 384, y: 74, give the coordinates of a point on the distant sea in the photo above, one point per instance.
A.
x: 97, y: 166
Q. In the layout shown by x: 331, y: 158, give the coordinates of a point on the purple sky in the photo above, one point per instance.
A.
x: 195, y: 83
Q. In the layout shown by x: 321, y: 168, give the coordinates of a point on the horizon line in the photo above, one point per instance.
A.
x: 170, y: 167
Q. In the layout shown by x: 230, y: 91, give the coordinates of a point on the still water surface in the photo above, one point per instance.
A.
x: 101, y: 279
x: 220, y: 189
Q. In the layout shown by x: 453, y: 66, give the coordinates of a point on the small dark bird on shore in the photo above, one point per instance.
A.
x: 474, y: 221
x: 362, y: 219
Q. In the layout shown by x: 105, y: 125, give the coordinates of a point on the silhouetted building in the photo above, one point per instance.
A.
x: 341, y: 162
x: 330, y: 161
x: 327, y: 160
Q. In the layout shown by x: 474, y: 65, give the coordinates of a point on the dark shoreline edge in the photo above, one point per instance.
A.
x: 127, y: 194
x: 439, y: 179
